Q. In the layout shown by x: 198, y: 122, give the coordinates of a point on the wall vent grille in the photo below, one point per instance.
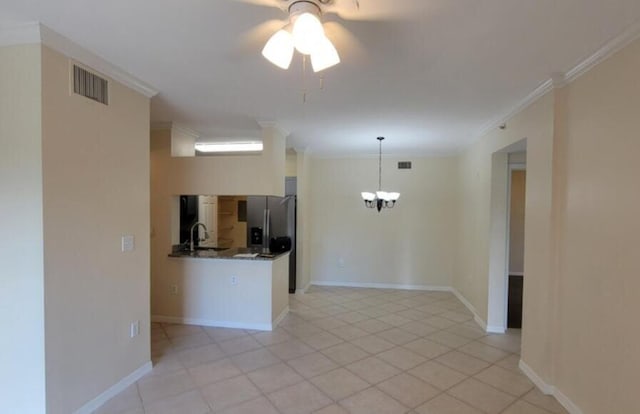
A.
x: 404, y: 165
x: 90, y: 85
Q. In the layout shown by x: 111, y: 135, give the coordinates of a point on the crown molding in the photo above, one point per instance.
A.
x: 616, y: 44
x: 35, y: 32
x: 560, y: 79
x: 494, y: 123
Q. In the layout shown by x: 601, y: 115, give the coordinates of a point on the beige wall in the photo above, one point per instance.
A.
x: 595, y: 353
x: 581, y: 293
x: 303, y: 219
x: 261, y: 174
x: 96, y: 188
x: 22, y: 376
x: 206, y: 296
x: 411, y: 244
x: 291, y: 166
x: 516, y: 222
x: 473, y: 252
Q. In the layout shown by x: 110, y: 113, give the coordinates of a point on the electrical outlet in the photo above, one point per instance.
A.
x: 134, y: 329
x: 173, y: 289
x: 234, y: 280
x: 341, y: 262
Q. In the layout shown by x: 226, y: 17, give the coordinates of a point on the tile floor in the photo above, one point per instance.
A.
x: 340, y: 350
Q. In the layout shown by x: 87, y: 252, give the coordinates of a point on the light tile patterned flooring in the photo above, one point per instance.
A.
x: 340, y: 350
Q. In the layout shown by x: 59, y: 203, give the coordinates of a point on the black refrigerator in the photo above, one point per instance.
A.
x: 274, y: 217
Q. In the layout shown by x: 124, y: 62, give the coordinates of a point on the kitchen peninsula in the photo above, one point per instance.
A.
x: 233, y: 288
x: 209, y: 287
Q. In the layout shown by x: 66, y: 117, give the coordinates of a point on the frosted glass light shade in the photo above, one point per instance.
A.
x: 324, y: 55
x: 368, y: 196
x: 382, y: 195
x: 279, y: 49
x: 394, y: 196
x: 307, y: 33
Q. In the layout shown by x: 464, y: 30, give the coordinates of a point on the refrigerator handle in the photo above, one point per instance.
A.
x: 266, y: 221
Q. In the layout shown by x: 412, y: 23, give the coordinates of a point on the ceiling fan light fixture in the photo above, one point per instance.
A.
x: 279, y: 49
x: 307, y: 32
x: 324, y: 56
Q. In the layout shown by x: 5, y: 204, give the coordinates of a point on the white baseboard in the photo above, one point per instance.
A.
x: 115, y: 389
x: 280, y: 317
x: 549, y: 389
x: 303, y: 290
x: 381, y: 286
x: 216, y: 324
x: 476, y: 316
x: 535, y: 378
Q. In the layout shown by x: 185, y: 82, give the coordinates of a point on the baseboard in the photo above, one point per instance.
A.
x: 476, y: 316
x: 549, y: 389
x: 115, y: 389
x: 207, y: 322
x: 535, y: 378
x: 381, y: 286
x: 303, y: 290
x: 280, y: 317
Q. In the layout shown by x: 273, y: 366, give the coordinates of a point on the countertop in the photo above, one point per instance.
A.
x: 227, y: 254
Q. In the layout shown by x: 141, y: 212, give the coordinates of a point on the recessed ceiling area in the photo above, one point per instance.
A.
x: 426, y: 74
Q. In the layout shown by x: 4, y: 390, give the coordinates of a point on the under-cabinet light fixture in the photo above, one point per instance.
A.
x: 229, y: 146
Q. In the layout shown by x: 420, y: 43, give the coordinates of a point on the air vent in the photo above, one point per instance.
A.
x: 90, y: 85
x: 404, y: 165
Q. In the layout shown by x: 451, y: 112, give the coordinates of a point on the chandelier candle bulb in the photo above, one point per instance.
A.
x: 381, y: 199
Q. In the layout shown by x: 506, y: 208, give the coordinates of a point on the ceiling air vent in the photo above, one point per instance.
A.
x: 90, y: 85
x: 404, y: 165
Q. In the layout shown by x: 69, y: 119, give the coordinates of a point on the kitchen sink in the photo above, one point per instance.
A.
x: 215, y: 249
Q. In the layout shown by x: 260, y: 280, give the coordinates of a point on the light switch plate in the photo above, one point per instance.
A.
x: 128, y: 243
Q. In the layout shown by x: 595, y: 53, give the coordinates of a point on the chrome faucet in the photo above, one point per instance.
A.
x: 206, y: 235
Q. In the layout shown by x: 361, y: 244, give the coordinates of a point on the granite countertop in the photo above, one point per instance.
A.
x: 227, y: 253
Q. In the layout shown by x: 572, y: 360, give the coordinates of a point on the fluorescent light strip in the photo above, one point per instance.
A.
x: 220, y: 147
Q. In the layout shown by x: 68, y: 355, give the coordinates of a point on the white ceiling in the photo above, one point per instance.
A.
x: 428, y: 80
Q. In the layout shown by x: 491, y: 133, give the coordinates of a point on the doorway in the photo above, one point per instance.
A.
x: 512, y: 157
x: 517, y: 198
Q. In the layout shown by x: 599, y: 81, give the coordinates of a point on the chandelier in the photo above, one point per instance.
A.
x: 380, y: 199
x: 303, y: 33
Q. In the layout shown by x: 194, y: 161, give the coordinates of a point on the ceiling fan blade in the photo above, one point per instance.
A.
x: 345, y: 42
x: 266, y: 3
x: 376, y: 10
x: 253, y: 41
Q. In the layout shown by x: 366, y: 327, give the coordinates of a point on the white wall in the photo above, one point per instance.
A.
x: 22, y: 372
x: 95, y: 162
x: 411, y: 244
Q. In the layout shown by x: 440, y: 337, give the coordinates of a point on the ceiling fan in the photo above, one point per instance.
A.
x: 305, y: 31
